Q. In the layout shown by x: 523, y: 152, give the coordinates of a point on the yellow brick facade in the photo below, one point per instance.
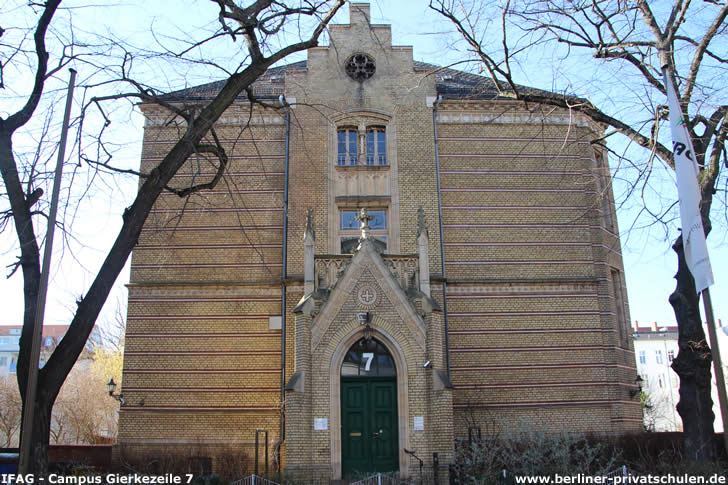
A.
x: 525, y: 324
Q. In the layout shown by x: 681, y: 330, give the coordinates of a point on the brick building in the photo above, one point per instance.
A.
x: 271, y: 303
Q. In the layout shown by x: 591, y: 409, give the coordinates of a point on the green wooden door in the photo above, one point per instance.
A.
x: 369, y: 425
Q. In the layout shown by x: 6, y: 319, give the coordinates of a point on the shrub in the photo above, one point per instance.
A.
x: 532, y: 453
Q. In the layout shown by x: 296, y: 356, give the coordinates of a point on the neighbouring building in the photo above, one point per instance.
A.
x: 10, y: 345
x: 396, y: 256
x: 655, y: 348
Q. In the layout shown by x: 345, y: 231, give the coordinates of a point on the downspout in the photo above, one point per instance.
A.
x: 436, y: 105
x: 284, y: 274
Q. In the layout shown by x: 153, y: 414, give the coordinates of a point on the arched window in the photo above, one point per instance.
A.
x: 347, y: 147
x: 368, y: 358
x: 376, y: 146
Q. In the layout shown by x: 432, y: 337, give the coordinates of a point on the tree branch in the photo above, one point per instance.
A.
x: 22, y: 116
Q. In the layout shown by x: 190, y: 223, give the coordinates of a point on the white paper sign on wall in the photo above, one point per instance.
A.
x: 320, y: 424
x: 419, y: 423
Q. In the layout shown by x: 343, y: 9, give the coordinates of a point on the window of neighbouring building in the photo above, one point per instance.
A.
x: 670, y: 355
x: 3, y: 361
x: 643, y: 357
x: 658, y: 356
x: 13, y: 366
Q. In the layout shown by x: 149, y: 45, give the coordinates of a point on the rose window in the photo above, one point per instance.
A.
x: 360, y: 67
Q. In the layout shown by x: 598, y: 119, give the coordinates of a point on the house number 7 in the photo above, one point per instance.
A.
x: 369, y: 356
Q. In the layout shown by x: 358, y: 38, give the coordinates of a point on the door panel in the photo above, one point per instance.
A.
x: 354, y: 420
x: 384, y: 425
x: 369, y: 426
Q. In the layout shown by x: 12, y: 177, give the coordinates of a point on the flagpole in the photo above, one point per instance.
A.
x: 24, y: 456
x: 717, y: 364
x: 696, y: 249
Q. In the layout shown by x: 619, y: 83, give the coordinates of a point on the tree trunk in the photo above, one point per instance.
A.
x: 692, y: 365
x: 41, y: 432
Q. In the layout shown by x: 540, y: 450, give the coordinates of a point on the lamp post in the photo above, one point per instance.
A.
x: 111, y: 387
x: 635, y: 392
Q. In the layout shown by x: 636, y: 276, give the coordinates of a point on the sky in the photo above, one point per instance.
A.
x: 648, y: 260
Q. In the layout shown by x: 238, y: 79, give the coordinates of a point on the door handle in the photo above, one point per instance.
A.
x: 377, y: 434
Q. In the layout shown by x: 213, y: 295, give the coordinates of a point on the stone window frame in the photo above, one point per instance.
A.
x: 403, y: 397
x: 367, y: 151
x: 619, y: 292
x: 604, y: 190
x: 363, y: 119
x: 356, y: 232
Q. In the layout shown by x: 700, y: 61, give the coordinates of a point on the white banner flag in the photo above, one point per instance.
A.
x: 688, y: 193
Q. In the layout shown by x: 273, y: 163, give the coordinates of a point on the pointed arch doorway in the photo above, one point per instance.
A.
x: 369, y: 420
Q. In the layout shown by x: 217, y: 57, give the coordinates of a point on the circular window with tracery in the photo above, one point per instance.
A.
x: 360, y: 67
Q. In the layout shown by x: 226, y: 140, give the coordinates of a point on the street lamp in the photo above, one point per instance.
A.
x: 639, y: 382
x: 111, y: 387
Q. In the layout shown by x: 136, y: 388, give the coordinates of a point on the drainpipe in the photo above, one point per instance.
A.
x: 436, y: 105
x: 284, y: 271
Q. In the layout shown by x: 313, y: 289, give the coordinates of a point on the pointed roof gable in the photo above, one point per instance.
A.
x: 368, y: 259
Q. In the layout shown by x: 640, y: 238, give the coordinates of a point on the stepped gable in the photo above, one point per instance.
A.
x: 451, y: 83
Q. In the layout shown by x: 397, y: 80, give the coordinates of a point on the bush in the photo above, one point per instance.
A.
x: 532, y: 453
x: 227, y: 462
x: 548, y: 454
x: 662, y: 454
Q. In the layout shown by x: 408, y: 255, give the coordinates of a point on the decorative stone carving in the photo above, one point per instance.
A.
x: 360, y: 67
x: 367, y: 296
x: 329, y: 269
x: 404, y: 269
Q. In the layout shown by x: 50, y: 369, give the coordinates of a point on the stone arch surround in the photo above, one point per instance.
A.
x: 336, y: 359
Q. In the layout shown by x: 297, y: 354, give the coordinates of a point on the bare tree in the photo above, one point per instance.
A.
x: 82, y: 414
x: 9, y: 412
x: 633, y: 41
x: 270, y: 31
